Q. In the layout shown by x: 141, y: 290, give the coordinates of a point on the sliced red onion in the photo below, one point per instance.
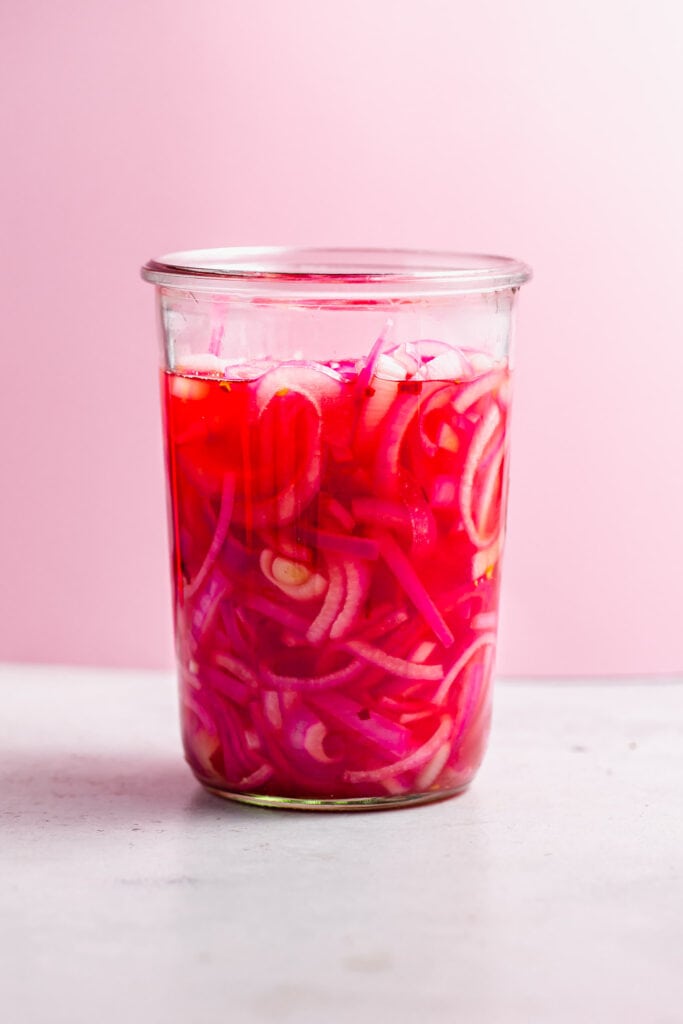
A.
x: 384, y: 623
x: 238, y: 637
x: 238, y: 760
x: 425, y: 349
x: 206, y: 607
x: 314, y: 740
x: 411, y: 717
x: 315, y: 385
x: 257, y: 778
x: 288, y: 773
x: 473, y: 392
x: 414, y: 589
x: 313, y: 381
x: 432, y: 770
x: 293, y: 578
x: 489, y: 488
x: 481, y: 362
x: 271, y: 708
x: 484, y: 561
x: 367, y: 372
x: 341, y: 514
x: 201, y: 749
x: 221, y: 532
x: 343, y: 544
x: 201, y: 714
x: 407, y: 442
x: 374, y: 729
x: 389, y: 368
x: 450, y: 365
x: 356, y: 591
x: 393, y: 666
x: 312, y: 683
x: 480, y: 439
x: 373, y: 409
x: 379, y: 512
x: 284, y: 507
x: 410, y: 763
x: 403, y: 412
x: 442, y: 398
x: 450, y: 679
x: 271, y: 610
x: 484, y: 620
x: 236, y: 668
x: 394, y: 787
x: 470, y: 698
x: 424, y: 650
x: 401, y: 354
x: 282, y: 543
x: 320, y: 628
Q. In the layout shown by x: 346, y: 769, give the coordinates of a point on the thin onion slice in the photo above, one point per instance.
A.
x: 344, y: 544
x: 400, y: 418
x: 304, y: 683
x: 271, y: 610
x: 432, y: 770
x: 394, y: 666
x: 371, y: 727
x: 311, y: 586
x: 256, y: 779
x: 480, y: 386
x: 320, y: 628
x: 451, y: 677
x: 414, y: 589
x: 367, y: 372
x: 480, y: 439
x: 485, y: 560
x: 218, y: 540
x: 356, y: 591
x: 413, y: 761
x: 379, y: 512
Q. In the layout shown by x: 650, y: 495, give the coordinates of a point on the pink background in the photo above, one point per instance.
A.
x: 551, y: 132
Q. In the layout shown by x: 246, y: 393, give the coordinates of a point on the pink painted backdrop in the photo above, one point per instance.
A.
x: 551, y: 132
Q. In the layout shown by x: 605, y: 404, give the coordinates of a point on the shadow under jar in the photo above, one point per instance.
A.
x: 337, y: 452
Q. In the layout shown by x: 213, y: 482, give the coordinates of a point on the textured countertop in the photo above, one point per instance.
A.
x: 551, y: 892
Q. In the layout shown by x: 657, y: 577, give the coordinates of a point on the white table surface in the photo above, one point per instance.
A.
x: 551, y: 892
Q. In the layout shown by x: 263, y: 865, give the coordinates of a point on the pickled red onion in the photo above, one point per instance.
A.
x: 391, y: 665
x: 312, y: 683
x: 311, y: 586
x: 320, y: 628
x: 480, y: 439
x: 414, y: 589
x: 486, y: 640
x: 415, y: 760
x: 322, y: 558
x: 366, y: 373
x: 356, y: 589
x: 218, y: 540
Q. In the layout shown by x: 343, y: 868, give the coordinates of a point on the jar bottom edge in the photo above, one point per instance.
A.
x: 372, y: 803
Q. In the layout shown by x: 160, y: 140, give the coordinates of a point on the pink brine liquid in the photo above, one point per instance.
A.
x: 336, y: 537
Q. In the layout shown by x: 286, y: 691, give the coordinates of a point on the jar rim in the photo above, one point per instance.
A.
x: 337, y: 271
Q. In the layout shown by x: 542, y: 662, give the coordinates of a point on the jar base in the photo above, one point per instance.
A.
x: 370, y: 803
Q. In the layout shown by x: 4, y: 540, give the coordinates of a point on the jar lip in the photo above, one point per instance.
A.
x: 340, y: 270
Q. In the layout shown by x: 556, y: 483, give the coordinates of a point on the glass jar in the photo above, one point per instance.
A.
x: 337, y: 454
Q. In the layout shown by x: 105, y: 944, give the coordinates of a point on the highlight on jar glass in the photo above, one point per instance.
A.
x: 336, y: 428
